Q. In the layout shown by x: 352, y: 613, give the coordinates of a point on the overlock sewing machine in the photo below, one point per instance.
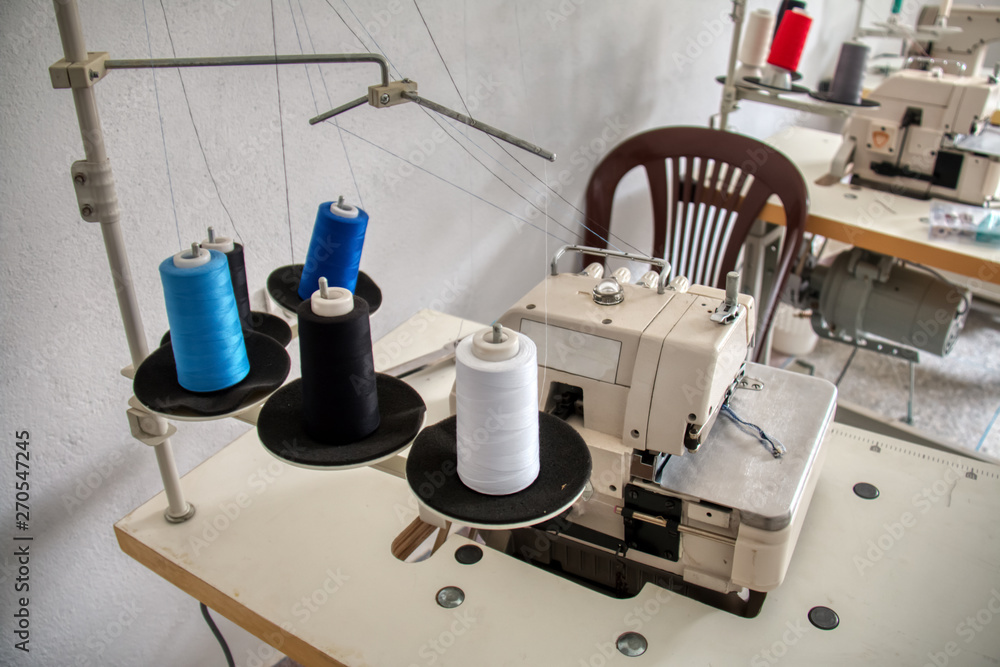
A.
x: 930, y: 135
x: 679, y: 495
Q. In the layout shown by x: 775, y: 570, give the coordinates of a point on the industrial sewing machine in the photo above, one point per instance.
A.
x: 679, y: 496
x: 931, y: 136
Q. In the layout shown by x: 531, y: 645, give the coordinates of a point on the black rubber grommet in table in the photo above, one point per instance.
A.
x: 824, y: 618
x: 281, y: 430
x: 825, y: 97
x: 270, y: 325
x: 794, y: 89
x: 469, y: 554
x: 156, y: 386
x: 283, y: 286
x: 866, y: 490
x: 565, y: 465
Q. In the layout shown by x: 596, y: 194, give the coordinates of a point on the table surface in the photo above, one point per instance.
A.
x: 301, y: 559
x: 880, y: 221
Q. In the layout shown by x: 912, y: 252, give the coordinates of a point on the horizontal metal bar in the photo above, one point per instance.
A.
x: 481, y: 126
x: 230, y: 61
x: 788, y: 102
x: 339, y: 110
x: 642, y: 259
x: 423, y: 361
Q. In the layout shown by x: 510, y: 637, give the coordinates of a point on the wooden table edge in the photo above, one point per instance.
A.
x: 275, y: 636
x: 914, y: 251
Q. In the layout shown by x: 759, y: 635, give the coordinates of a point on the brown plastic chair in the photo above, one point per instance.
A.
x: 700, y: 229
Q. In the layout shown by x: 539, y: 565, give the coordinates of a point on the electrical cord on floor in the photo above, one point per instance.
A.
x: 846, y: 366
x: 218, y: 635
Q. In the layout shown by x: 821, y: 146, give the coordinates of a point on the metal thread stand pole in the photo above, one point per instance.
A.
x: 74, y: 49
x: 729, y: 90
x: 909, y: 402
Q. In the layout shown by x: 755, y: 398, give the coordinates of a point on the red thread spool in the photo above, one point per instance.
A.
x: 790, y: 40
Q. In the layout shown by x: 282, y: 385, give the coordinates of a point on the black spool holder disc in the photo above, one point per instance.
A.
x: 795, y: 89
x: 825, y: 97
x: 564, y: 470
x: 280, y: 428
x: 796, y: 76
x: 283, y: 286
x: 270, y: 325
x: 156, y: 386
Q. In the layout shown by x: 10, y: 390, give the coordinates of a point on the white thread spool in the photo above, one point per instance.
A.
x: 756, y: 43
x: 497, y: 412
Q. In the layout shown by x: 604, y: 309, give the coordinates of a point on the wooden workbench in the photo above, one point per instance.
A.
x: 302, y: 559
x: 880, y: 221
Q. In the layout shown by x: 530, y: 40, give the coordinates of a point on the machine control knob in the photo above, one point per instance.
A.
x: 608, y: 292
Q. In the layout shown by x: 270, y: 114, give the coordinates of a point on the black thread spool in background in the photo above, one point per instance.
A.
x: 339, y: 399
x: 783, y: 7
x: 238, y: 274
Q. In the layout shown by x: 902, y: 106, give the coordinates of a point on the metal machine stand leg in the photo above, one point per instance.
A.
x: 909, y: 402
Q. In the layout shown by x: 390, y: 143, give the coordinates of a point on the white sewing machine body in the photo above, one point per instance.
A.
x: 930, y: 136
x: 650, y: 350
x: 676, y: 493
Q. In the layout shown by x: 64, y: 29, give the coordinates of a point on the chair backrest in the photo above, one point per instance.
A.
x: 708, y: 188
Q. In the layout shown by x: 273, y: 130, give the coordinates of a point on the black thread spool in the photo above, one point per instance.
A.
x: 783, y: 7
x: 238, y: 273
x: 339, y: 399
x: 264, y: 323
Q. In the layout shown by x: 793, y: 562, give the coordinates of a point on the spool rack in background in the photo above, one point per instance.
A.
x: 734, y: 93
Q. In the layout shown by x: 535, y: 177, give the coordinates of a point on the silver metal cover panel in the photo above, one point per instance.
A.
x: 986, y: 142
x: 733, y: 469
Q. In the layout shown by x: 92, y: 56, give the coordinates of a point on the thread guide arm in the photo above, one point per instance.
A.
x: 84, y: 74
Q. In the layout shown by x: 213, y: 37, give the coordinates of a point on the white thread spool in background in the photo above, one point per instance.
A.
x: 756, y: 42
x: 496, y: 388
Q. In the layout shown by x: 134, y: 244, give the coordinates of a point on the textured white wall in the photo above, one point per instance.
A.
x: 572, y: 75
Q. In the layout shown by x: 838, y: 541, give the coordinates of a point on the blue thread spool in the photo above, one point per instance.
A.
x: 335, y: 248
x: 205, y: 331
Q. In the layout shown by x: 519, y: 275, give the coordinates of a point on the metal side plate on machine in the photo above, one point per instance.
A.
x: 734, y: 470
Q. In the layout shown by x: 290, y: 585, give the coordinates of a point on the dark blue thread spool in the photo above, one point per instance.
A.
x: 335, y: 248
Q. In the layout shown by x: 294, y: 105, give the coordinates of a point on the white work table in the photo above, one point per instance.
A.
x: 302, y: 559
x: 880, y: 221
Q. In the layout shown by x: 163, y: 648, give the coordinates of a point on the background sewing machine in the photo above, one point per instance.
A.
x: 931, y: 135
